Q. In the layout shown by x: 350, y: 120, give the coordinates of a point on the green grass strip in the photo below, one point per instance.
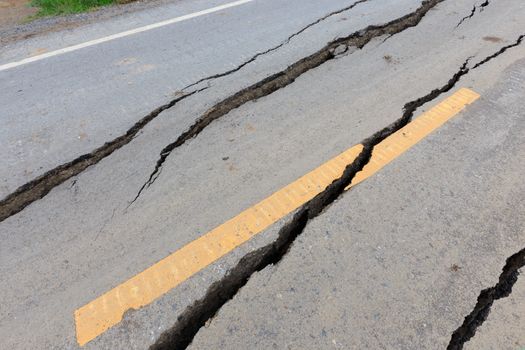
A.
x: 63, y: 7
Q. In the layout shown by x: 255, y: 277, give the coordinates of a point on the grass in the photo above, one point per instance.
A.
x: 64, y: 7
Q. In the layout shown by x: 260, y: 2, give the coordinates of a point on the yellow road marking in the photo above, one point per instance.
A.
x: 400, y: 141
x: 107, y: 310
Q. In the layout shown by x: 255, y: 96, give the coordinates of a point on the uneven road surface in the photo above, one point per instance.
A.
x: 260, y: 174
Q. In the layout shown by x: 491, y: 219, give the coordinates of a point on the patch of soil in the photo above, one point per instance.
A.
x: 13, y: 12
x: 22, y: 30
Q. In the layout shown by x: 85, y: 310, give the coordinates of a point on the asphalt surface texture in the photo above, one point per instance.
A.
x: 119, y: 154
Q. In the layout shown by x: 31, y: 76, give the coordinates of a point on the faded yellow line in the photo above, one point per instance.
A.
x: 107, y: 310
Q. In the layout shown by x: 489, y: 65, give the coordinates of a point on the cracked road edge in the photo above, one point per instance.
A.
x: 286, y: 77
x: 195, y: 316
x: 284, y: 42
x: 39, y: 187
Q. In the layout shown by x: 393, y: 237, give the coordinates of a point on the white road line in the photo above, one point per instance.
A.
x: 121, y: 35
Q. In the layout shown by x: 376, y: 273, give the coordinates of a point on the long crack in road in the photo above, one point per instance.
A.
x: 297, y: 201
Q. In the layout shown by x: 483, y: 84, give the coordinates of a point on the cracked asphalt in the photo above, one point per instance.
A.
x: 118, y: 155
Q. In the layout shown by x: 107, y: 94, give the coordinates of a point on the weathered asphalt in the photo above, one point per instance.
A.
x: 375, y: 269
x: 399, y: 261
x: 59, y: 108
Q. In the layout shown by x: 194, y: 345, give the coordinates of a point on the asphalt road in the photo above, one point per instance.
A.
x: 396, y: 262
x: 59, y: 108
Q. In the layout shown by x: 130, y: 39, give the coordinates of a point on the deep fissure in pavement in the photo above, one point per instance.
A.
x: 486, y: 298
x: 474, y: 8
x: 220, y: 292
x: 284, y: 42
x: 481, y: 7
x: 194, y: 317
x: 287, y: 76
x: 500, y: 51
x: 40, y: 186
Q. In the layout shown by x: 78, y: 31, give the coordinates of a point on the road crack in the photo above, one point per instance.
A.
x: 486, y: 298
x: 286, y: 77
x: 195, y: 316
x: 480, y: 7
x: 500, y: 51
x: 40, y: 186
x: 284, y: 42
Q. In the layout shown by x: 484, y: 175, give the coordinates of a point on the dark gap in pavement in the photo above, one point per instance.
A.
x: 481, y: 7
x: 485, y: 4
x: 284, y: 42
x: 40, y: 186
x: 220, y: 292
x: 486, y: 298
x: 467, y: 17
x: 287, y: 76
x: 500, y: 51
